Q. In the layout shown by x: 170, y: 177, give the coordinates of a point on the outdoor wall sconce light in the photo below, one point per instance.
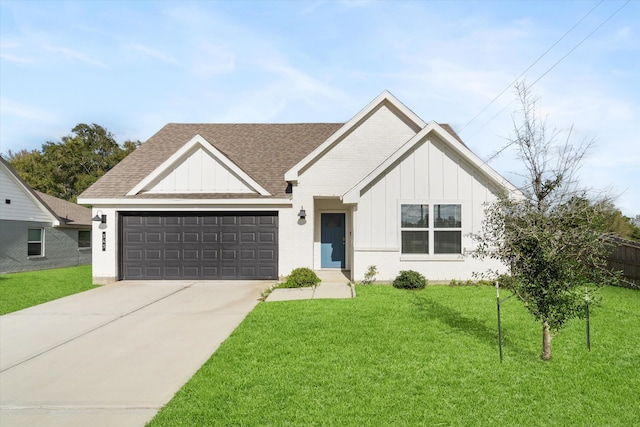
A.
x: 100, y: 217
x: 302, y: 214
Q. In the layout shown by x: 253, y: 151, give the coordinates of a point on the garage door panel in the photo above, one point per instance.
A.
x: 170, y: 220
x: 191, y: 255
x: 191, y: 237
x: 228, y: 254
x: 152, y: 255
x: 134, y: 237
x: 248, y: 237
x: 228, y: 220
x: 227, y: 237
x: 200, y: 246
x: 247, y: 220
x: 267, y: 237
x: 209, y: 237
x: 210, y: 255
x: 267, y: 254
x: 171, y: 254
x: 153, y: 221
x: 171, y: 237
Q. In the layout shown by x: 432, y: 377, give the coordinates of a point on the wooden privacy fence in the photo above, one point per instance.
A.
x: 626, y: 258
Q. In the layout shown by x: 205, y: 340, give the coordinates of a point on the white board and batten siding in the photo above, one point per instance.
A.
x: 347, y: 162
x: 200, y: 172
x: 430, y: 173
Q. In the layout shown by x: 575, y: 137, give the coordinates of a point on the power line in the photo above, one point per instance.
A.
x: 543, y: 74
x: 510, y: 85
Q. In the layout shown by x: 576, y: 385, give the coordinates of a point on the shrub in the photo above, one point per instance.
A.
x: 410, y: 279
x: 455, y: 282
x: 300, y: 278
x: 370, y: 275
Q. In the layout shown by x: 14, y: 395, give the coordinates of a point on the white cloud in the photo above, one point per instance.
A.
x: 17, y: 59
x: 70, y: 53
x: 156, y: 54
x: 23, y: 111
x: 212, y: 59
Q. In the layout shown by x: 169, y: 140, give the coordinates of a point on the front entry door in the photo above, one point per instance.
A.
x: 332, y: 239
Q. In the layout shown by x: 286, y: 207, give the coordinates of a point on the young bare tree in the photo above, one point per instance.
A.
x: 550, y: 234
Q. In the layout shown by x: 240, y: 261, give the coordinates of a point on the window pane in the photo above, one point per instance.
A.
x: 415, y: 242
x: 84, y: 239
x: 447, y: 216
x: 447, y: 242
x: 415, y: 216
x: 34, y: 249
x: 35, y: 234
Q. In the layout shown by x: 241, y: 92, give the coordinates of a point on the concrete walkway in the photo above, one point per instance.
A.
x: 334, y: 285
x: 113, y: 356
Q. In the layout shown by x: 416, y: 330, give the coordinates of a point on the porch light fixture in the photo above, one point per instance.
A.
x: 100, y: 217
x: 302, y: 214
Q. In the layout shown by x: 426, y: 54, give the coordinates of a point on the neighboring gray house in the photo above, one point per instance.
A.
x: 38, y: 231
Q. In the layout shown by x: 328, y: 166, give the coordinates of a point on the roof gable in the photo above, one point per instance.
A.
x: 25, y: 201
x: 43, y: 207
x: 452, y: 142
x: 198, y: 167
x: 263, y: 151
x: 384, y: 99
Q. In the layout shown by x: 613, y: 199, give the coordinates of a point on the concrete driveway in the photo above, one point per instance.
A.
x: 113, y: 356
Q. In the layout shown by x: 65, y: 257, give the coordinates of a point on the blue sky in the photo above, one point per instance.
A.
x: 135, y: 66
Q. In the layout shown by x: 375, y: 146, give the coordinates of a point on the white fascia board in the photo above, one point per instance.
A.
x: 97, y: 202
x: 384, y: 98
x: 185, y: 151
x: 353, y: 194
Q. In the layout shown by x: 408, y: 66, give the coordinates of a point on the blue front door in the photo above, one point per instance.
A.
x: 332, y: 239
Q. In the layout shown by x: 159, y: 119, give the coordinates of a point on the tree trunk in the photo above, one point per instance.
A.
x: 546, y: 341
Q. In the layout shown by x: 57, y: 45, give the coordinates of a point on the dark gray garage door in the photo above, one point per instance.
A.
x: 173, y: 246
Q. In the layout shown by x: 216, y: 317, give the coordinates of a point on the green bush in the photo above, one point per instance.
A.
x: 301, y: 278
x: 410, y: 279
x: 370, y: 275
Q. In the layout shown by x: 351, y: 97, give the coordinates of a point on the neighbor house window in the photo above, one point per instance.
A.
x: 84, y: 238
x: 429, y: 229
x: 34, y: 242
x: 415, y: 229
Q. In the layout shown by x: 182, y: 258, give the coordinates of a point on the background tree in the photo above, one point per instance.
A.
x: 65, y: 169
x: 620, y: 225
x: 549, y: 235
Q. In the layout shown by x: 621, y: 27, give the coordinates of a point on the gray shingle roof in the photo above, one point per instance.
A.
x: 70, y: 214
x: 264, y: 151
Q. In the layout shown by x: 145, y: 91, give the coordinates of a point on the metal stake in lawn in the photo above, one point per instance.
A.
x: 498, y: 302
x: 586, y: 312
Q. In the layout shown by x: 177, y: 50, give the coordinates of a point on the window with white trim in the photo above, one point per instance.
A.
x: 415, y: 229
x: 427, y: 229
x: 447, y: 224
x: 35, y: 239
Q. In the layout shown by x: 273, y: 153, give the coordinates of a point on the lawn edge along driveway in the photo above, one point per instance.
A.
x: 116, y: 354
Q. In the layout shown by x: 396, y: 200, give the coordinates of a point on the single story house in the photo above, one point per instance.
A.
x: 255, y: 201
x: 39, y: 231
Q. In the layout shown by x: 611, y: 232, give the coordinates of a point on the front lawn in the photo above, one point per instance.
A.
x: 404, y: 358
x: 22, y: 290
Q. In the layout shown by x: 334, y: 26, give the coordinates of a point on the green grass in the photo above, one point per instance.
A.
x: 22, y: 290
x: 406, y: 358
